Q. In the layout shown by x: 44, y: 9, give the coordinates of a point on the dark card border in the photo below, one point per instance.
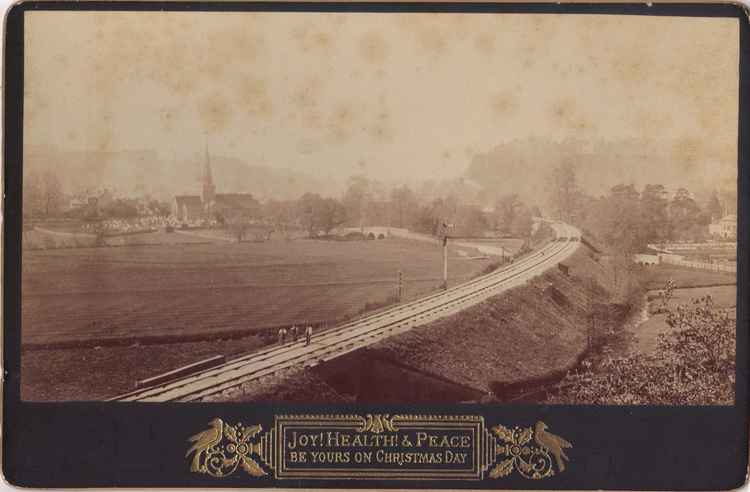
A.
x: 96, y: 444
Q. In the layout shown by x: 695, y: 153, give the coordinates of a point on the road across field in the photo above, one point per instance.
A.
x: 365, y: 331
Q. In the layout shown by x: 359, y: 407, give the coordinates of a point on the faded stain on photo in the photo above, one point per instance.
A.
x: 488, y: 208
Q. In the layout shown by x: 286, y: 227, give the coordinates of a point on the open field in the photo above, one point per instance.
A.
x: 706, y: 254
x: 708, y: 251
x: 89, y: 373
x: 655, y: 277
x: 34, y: 239
x: 72, y: 226
x: 46, y: 239
x: 92, y: 306
x: 183, y: 292
x: 647, y: 333
x: 156, y: 238
x: 690, y: 284
x: 724, y: 296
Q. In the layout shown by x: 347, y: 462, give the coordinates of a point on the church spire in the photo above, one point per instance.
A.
x: 209, y: 190
x: 207, y: 172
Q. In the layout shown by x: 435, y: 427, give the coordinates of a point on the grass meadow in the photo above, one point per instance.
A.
x: 96, y: 296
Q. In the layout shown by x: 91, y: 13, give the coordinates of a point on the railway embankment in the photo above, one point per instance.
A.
x: 504, y: 346
x: 527, y: 336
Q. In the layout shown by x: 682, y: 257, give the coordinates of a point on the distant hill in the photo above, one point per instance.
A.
x: 233, y: 175
x: 140, y: 172
x: 523, y: 166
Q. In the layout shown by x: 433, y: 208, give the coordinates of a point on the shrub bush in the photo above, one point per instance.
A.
x: 693, y: 365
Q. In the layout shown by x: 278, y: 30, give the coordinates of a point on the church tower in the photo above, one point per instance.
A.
x: 209, y: 190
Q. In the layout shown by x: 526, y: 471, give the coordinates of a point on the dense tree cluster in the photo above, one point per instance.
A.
x: 626, y: 218
x: 42, y: 195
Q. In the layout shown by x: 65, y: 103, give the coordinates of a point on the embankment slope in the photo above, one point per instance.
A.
x: 527, y: 333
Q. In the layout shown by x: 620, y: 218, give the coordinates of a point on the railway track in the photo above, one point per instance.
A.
x: 361, y: 332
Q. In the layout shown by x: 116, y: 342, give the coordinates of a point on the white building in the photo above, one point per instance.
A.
x: 646, y: 259
x: 725, y: 228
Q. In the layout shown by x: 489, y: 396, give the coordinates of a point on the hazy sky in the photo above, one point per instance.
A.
x: 400, y: 95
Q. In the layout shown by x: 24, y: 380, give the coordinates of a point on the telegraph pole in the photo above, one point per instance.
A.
x: 445, y: 261
x: 399, y: 285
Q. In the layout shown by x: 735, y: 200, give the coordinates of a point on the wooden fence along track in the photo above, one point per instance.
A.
x: 701, y: 265
x: 364, y: 331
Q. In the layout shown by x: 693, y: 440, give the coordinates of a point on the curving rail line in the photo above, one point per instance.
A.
x: 363, y: 331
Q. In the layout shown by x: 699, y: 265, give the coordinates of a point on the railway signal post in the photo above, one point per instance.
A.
x: 446, y: 226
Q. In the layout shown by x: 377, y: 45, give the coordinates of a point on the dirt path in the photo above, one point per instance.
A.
x: 212, y: 237
x: 652, y: 325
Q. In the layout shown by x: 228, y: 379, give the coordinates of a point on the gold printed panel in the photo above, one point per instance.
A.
x: 378, y: 446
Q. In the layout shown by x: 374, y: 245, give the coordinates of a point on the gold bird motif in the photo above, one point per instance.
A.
x: 552, y: 443
x: 203, y: 441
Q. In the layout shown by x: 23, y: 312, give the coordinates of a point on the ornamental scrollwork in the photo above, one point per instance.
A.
x: 529, y: 450
x: 222, y: 448
x: 377, y: 423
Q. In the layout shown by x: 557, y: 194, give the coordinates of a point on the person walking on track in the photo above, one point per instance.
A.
x: 282, y: 335
x: 295, y: 333
x: 308, y: 334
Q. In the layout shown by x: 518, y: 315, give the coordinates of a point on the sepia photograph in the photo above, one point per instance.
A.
x: 379, y: 208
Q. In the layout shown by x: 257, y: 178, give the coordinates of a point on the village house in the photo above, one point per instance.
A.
x: 725, y: 228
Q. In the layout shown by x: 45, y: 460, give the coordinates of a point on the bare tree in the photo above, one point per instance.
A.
x: 506, y: 209
x: 239, y: 223
x: 33, y: 195
x: 332, y: 214
x: 714, y: 208
x: 52, y: 194
x: 403, y: 203
x: 564, y: 191
x: 42, y: 195
x: 306, y: 211
x: 320, y: 214
x: 280, y: 215
x: 357, y: 199
x: 522, y: 222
